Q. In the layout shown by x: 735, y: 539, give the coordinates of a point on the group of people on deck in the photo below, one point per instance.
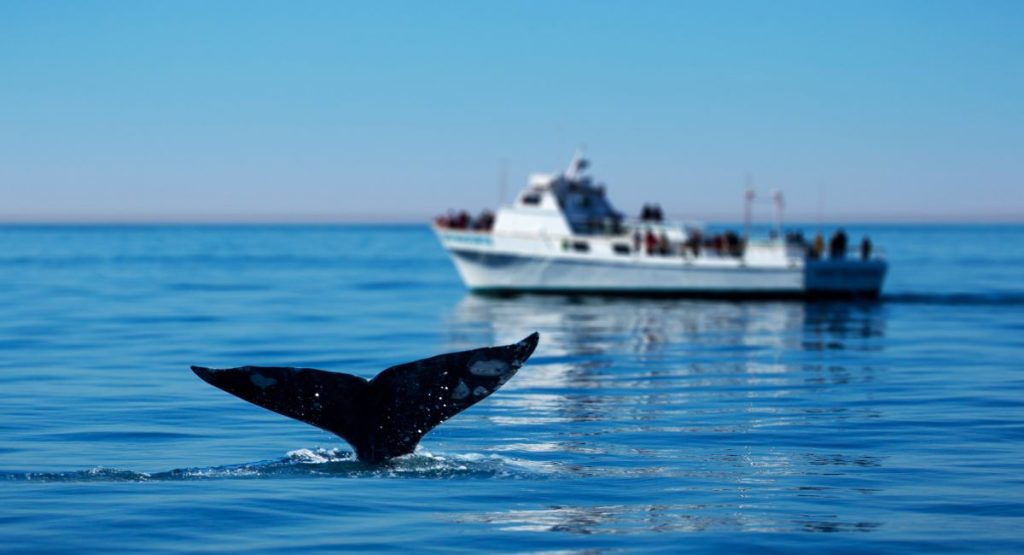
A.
x: 651, y: 243
x: 730, y: 244
x: 837, y: 245
x: 652, y: 213
x: 658, y: 244
x: 726, y: 243
x: 462, y: 220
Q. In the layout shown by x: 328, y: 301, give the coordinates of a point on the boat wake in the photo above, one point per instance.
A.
x: 313, y: 463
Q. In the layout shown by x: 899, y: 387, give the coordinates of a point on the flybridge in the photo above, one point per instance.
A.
x: 563, y: 235
x: 582, y: 205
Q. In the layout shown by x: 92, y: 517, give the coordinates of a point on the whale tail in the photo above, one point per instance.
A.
x: 384, y: 417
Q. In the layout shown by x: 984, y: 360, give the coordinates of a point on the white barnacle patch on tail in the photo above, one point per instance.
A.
x: 488, y: 368
x: 261, y: 381
x: 461, y: 391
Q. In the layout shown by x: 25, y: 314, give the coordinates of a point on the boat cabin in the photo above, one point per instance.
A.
x: 562, y: 204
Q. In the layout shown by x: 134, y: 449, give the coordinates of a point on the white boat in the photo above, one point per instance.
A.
x: 562, y: 235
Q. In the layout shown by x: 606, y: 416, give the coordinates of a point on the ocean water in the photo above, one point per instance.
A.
x: 638, y: 425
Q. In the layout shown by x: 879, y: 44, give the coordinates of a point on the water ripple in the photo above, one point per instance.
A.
x: 316, y: 463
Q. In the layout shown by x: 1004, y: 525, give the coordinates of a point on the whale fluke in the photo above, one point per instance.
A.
x: 384, y: 417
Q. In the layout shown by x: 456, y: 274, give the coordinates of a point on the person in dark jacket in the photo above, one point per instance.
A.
x: 837, y: 245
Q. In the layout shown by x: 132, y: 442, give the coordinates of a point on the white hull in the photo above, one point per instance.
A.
x: 510, y: 264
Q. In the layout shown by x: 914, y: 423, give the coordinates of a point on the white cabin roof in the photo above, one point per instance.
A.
x: 541, y: 180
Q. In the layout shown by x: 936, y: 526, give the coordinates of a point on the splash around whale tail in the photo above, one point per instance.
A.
x: 384, y: 417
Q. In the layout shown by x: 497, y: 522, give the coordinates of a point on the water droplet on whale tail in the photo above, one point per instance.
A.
x: 386, y: 416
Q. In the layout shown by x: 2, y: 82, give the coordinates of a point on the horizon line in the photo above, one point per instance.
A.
x: 420, y: 218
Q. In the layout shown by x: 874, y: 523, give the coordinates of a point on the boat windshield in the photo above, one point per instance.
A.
x: 587, y: 209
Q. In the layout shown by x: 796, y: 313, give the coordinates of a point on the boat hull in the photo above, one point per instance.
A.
x: 512, y: 273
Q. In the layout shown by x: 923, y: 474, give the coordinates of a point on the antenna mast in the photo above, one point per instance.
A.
x: 821, y: 204
x: 502, y: 180
x: 780, y: 205
x: 748, y: 205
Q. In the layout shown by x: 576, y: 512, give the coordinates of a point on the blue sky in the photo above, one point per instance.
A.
x: 398, y: 110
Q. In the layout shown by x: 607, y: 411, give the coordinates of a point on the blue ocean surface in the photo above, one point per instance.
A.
x: 638, y: 425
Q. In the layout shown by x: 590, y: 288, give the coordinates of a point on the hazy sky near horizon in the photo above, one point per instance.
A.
x: 377, y: 110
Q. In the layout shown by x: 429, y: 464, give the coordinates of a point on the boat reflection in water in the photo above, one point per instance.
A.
x: 761, y: 412
x: 581, y: 327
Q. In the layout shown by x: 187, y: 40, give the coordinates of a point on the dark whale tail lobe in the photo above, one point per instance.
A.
x: 384, y: 417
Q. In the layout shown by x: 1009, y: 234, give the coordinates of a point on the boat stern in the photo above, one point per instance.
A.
x: 844, y: 278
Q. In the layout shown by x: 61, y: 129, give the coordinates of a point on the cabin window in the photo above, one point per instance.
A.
x: 581, y: 246
x: 532, y: 199
x: 620, y: 248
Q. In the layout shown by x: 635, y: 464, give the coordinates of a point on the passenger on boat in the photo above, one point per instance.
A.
x: 714, y: 243
x: 819, y: 246
x: 650, y: 242
x: 733, y: 244
x: 485, y: 221
x: 837, y: 245
x: 692, y: 243
x: 445, y: 220
x: 651, y: 213
x: 461, y: 220
x: 865, y: 248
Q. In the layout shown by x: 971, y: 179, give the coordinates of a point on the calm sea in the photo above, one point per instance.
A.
x: 638, y: 426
